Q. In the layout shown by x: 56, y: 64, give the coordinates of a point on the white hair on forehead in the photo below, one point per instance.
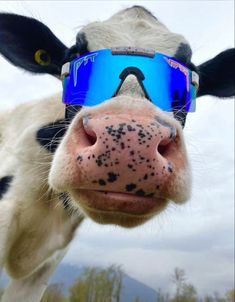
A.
x: 134, y: 27
x: 136, y: 11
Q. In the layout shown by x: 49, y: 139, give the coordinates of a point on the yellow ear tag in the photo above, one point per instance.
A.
x: 42, y: 57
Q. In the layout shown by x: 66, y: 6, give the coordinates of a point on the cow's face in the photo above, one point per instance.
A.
x: 123, y: 160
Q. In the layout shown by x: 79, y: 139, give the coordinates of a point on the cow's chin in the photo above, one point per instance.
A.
x: 126, y: 210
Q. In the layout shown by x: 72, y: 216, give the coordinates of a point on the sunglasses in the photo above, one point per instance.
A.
x: 97, y: 76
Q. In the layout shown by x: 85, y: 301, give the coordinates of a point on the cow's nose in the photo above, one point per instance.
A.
x: 123, y: 154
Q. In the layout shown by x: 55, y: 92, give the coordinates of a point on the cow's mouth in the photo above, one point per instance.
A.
x: 117, y: 204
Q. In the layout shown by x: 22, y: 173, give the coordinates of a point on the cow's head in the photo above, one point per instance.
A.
x: 123, y: 160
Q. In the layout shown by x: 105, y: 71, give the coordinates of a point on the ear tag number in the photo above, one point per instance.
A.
x: 42, y: 57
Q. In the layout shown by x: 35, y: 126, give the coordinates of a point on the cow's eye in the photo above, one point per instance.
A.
x: 42, y: 57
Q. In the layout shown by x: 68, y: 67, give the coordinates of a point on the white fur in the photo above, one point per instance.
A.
x: 137, y: 28
x: 31, y: 288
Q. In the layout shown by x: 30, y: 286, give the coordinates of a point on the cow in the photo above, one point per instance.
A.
x: 120, y: 161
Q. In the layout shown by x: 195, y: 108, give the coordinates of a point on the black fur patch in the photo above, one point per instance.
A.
x: 49, y: 136
x: 80, y: 47
x: 217, y: 76
x: 82, y: 43
x: 5, y: 184
x: 71, y: 111
x: 181, y: 117
x: 183, y: 53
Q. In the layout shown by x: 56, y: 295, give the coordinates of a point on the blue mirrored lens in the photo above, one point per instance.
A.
x: 95, y: 77
x: 169, y: 85
x: 92, y: 79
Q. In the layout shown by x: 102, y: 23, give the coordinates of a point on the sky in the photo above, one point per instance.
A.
x: 198, y: 236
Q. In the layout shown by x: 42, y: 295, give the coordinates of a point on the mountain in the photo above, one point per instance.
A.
x: 132, y: 288
x: 67, y: 274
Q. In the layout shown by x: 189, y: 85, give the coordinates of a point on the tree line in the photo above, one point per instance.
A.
x: 106, y: 284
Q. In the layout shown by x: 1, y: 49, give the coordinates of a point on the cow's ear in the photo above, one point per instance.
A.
x: 217, y: 76
x: 29, y: 44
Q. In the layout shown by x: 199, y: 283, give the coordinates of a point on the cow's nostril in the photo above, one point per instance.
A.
x: 165, y: 147
x: 162, y: 150
x: 91, y: 137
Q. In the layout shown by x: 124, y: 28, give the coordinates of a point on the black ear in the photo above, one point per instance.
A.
x: 29, y: 44
x: 217, y: 76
